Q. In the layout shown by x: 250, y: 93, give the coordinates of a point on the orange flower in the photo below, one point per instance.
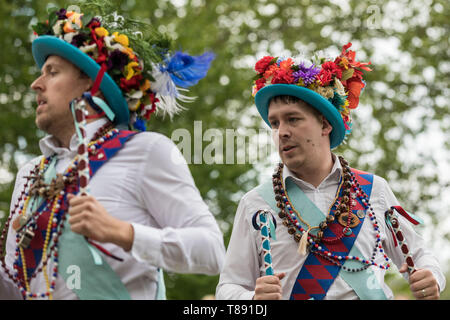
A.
x: 270, y: 70
x: 286, y: 64
x: 74, y: 18
x: 354, y: 87
x: 145, y: 86
x: 129, y: 52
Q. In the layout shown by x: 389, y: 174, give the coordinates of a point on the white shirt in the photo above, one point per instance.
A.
x: 243, y: 263
x: 148, y: 184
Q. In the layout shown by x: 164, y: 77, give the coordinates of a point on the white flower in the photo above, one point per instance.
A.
x: 69, y: 36
x: 57, y: 27
x: 115, y: 46
x: 339, y: 87
x: 87, y: 48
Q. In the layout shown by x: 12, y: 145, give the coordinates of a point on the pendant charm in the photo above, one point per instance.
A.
x: 354, y: 220
x: 347, y: 231
x: 19, y: 222
x: 361, y: 214
x: 26, y: 238
x: 303, y: 242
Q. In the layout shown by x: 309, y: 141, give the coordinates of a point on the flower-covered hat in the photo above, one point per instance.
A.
x: 331, y: 86
x: 137, y: 74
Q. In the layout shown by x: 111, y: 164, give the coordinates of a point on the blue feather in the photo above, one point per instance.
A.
x: 140, y: 125
x: 186, y: 70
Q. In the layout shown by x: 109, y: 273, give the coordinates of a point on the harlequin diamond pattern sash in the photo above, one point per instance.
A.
x: 33, y: 254
x: 317, y: 274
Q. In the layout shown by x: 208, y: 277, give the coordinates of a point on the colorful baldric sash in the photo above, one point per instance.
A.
x: 96, y: 278
x: 317, y: 274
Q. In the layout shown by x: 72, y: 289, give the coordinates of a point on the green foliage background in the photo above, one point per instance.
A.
x: 400, y: 130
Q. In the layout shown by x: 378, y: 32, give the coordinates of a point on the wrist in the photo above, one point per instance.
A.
x: 124, y: 235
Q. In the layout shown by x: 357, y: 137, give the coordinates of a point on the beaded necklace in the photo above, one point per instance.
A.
x: 344, y: 202
x: 57, y: 217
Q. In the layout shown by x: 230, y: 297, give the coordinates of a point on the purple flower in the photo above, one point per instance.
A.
x: 79, y: 40
x: 308, y: 75
x: 117, y: 60
x: 61, y: 13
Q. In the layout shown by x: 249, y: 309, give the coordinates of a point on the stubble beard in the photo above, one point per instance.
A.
x: 57, y: 125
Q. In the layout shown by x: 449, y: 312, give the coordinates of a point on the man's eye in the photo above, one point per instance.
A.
x: 274, y: 124
x: 293, y: 120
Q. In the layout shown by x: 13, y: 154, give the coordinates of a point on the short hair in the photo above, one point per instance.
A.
x: 294, y: 100
x: 83, y: 75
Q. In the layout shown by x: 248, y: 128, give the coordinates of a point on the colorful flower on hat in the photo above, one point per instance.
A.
x: 262, y: 65
x: 340, y: 81
x: 145, y: 89
x: 305, y: 76
x: 121, y: 38
x: 73, y: 22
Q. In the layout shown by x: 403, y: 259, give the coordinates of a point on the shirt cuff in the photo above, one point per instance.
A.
x: 247, y: 295
x: 147, y: 244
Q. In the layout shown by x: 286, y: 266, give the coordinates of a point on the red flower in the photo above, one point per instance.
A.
x: 94, y: 23
x: 261, y: 82
x: 133, y: 83
x: 263, y: 64
x: 324, y: 77
x: 333, y: 68
x: 329, y: 69
x: 153, y: 101
x: 282, y: 76
x: 347, y: 58
x: 270, y: 70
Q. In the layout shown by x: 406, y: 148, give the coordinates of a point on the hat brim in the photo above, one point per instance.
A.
x: 265, y: 94
x: 45, y: 46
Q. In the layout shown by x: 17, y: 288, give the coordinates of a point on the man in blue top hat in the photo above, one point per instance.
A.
x: 142, y: 212
x: 319, y: 229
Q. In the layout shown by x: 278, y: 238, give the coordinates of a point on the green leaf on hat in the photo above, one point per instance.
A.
x: 347, y: 74
x: 41, y: 28
x: 86, y: 18
x: 258, y: 76
x: 52, y: 18
x: 52, y: 8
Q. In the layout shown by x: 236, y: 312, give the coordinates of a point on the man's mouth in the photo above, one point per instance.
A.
x: 287, y: 148
x: 40, y: 102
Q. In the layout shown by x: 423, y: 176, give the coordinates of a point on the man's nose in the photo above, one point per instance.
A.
x: 37, y: 84
x: 284, y: 130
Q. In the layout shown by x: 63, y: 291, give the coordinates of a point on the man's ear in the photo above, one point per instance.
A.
x: 326, y: 127
x: 89, y: 84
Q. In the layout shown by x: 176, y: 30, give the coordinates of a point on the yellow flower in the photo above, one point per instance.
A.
x: 345, y: 110
x: 101, y: 32
x: 129, y: 69
x: 122, y: 39
x: 344, y: 62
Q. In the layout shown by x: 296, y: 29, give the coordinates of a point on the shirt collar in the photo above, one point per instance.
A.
x: 332, y: 177
x: 49, y: 145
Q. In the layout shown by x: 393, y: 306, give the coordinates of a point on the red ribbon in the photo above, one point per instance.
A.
x: 406, y: 215
x: 98, y: 79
